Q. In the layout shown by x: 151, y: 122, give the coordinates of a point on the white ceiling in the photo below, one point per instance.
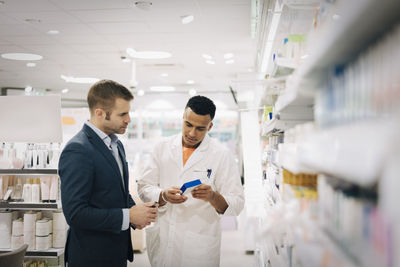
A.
x: 94, y: 34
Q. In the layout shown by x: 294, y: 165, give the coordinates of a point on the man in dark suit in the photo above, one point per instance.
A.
x: 94, y: 184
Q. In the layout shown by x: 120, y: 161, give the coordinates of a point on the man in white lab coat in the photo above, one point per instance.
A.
x: 188, y: 231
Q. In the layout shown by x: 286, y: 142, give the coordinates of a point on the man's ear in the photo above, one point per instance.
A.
x: 99, y: 113
x: 209, y: 127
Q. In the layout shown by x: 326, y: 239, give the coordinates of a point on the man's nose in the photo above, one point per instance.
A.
x: 192, y: 132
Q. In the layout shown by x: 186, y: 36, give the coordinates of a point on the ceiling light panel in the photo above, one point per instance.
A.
x: 21, y: 56
x: 187, y: 19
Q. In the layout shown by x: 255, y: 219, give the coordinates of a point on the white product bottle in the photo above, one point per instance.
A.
x: 54, y: 189
x: 36, y: 191
x: 27, y: 191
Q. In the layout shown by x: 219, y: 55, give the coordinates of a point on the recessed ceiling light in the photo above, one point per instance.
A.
x: 53, y: 32
x: 21, y: 56
x: 31, y: 64
x: 228, y: 55
x: 210, y: 62
x: 28, y: 89
x: 162, y: 88
x: 190, y: 82
x: 33, y: 20
x: 192, y: 92
x: 147, y: 54
x: 70, y: 79
x: 304, y: 56
x: 229, y: 61
x: 187, y: 19
x: 206, y: 56
x: 65, y: 90
x: 140, y: 92
x: 143, y: 5
x: 164, y: 74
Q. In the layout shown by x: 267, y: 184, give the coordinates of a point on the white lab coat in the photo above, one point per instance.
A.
x: 189, y: 234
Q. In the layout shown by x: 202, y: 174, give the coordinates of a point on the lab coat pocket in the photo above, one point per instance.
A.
x: 200, y: 250
x: 153, y: 244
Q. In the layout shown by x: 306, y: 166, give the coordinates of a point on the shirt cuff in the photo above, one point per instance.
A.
x: 125, y: 219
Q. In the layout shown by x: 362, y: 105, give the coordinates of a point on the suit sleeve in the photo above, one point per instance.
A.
x: 77, y: 176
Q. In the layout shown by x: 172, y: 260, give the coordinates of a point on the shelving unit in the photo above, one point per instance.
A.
x: 41, y: 254
x: 333, y: 151
x: 276, y: 125
x: 359, y: 22
x: 28, y: 171
x: 338, y: 42
x: 53, y: 254
x: 356, y: 152
x: 29, y: 206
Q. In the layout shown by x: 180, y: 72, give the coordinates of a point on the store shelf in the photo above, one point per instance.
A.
x: 358, y: 23
x: 276, y: 125
x: 355, y: 152
x: 29, y: 171
x: 335, y: 43
x: 286, y: 63
x: 29, y: 206
x: 290, y: 159
x: 295, y: 104
x: 51, y: 253
x: 316, y: 248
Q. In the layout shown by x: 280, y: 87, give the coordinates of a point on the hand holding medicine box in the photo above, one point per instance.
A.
x: 187, y: 187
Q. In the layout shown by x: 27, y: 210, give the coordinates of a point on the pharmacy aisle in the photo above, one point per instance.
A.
x: 330, y: 137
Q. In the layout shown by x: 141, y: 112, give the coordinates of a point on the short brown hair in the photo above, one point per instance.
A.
x: 103, y: 94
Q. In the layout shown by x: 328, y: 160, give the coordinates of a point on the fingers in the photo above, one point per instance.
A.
x: 202, y: 187
x: 173, y: 195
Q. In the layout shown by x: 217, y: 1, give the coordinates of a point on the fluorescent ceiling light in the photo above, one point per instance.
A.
x: 190, y: 82
x: 70, y: 79
x: 164, y: 74
x: 53, y: 32
x: 160, y: 104
x: 140, y: 92
x: 187, y: 19
x: 229, y: 61
x: 147, y: 54
x: 65, y: 90
x: 162, y: 88
x: 206, y: 56
x: 210, y: 62
x: 271, y: 37
x: 31, y: 64
x: 21, y: 56
x: 228, y: 55
x: 192, y: 92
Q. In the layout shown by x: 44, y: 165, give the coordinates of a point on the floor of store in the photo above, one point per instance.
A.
x: 233, y: 253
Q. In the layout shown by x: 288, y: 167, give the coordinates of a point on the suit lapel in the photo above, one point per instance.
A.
x: 103, y: 149
x: 125, y: 172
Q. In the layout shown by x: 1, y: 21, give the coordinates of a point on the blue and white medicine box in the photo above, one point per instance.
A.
x: 189, y: 185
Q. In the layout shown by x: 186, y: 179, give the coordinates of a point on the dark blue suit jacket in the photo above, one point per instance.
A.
x: 93, y: 197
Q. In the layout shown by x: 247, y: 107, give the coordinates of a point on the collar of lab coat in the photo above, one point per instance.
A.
x: 197, y: 155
